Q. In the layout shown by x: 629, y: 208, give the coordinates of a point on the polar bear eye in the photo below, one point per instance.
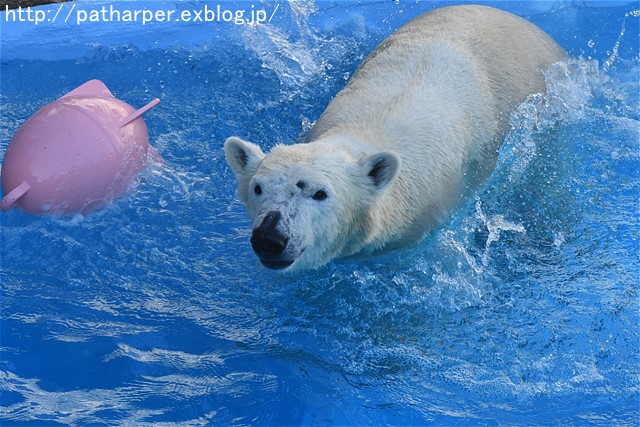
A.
x: 320, y: 195
x: 257, y: 189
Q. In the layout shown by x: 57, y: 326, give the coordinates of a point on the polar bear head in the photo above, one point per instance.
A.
x: 309, y: 203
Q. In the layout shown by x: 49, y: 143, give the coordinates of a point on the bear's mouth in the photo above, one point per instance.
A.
x: 276, y: 264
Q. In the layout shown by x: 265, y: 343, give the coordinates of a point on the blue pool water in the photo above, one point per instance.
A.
x: 521, y: 310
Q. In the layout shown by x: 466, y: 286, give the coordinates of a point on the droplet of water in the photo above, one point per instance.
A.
x: 591, y: 43
x: 558, y: 239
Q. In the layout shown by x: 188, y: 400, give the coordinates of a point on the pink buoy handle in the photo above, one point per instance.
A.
x: 131, y: 117
x: 10, y: 200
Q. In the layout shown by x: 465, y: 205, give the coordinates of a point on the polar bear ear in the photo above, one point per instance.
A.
x: 381, y: 168
x: 243, y: 157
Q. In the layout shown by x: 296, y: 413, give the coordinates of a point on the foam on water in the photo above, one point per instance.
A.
x: 522, y: 309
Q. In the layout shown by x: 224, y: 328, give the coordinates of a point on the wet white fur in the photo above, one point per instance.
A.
x: 429, y: 108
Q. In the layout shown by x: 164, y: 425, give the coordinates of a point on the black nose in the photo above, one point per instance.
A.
x: 266, y: 240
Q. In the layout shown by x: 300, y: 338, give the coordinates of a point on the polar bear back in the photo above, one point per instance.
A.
x: 509, y: 52
x: 512, y: 51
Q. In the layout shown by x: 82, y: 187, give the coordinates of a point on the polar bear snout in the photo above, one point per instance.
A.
x: 269, y: 243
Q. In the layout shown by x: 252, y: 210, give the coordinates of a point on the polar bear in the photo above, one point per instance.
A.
x: 414, y: 131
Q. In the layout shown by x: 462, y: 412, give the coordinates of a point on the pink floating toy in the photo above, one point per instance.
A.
x: 75, y: 154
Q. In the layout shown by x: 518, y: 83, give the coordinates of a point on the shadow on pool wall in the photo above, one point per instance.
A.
x: 521, y: 310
